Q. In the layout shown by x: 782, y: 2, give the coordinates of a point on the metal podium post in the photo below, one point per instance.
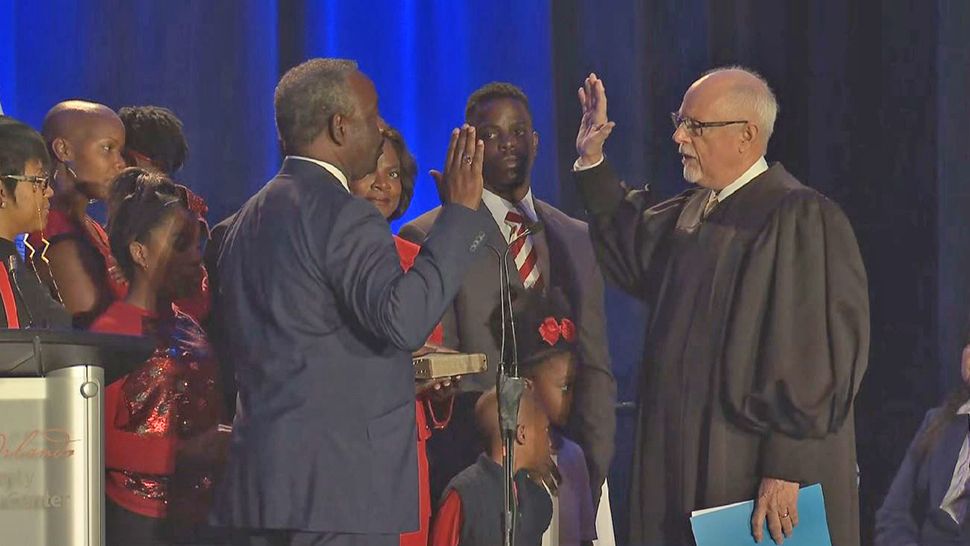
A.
x: 52, y: 434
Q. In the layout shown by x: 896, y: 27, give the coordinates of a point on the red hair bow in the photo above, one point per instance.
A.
x: 551, y: 330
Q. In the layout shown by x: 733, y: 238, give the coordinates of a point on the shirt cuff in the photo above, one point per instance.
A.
x: 578, y: 168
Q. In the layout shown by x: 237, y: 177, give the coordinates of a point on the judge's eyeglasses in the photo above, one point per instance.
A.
x: 696, y: 128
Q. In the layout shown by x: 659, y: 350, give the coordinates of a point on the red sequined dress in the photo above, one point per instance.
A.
x: 149, y: 413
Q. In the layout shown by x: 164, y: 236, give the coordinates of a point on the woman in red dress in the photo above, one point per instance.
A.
x: 390, y: 189
x: 164, y: 441
x: 86, y: 141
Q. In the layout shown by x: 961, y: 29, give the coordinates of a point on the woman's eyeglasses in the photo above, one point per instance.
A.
x: 43, y: 180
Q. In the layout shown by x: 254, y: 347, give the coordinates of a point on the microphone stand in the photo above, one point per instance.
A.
x: 509, y: 388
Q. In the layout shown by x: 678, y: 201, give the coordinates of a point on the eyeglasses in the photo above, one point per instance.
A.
x: 696, y: 128
x: 44, y: 180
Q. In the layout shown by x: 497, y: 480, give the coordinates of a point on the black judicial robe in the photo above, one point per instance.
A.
x: 32, y: 301
x: 758, y: 340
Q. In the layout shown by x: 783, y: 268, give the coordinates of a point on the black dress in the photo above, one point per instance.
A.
x: 24, y: 292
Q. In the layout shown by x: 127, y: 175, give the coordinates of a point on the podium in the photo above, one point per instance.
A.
x: 52, y: 432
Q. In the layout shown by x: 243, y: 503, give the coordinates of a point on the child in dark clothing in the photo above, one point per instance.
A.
x: 471, y: 510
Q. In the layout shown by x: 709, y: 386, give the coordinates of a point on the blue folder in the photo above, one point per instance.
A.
x: 731, y: 525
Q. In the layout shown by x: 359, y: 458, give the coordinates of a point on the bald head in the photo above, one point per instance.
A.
x: 739, y: 93
x: 86, y: 140
x: 72, y: 118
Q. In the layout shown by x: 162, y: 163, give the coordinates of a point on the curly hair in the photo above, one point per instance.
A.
x: 409, y: 170
x: 156, y: 133
x: 307, y: 96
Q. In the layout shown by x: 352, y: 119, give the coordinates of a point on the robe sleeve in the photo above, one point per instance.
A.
x: 797, y: 336
x: 628, y: 228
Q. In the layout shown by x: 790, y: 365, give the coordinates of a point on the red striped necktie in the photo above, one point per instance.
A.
x: 524, y: 252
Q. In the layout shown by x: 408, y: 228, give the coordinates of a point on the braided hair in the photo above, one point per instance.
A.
x: 141, y: 200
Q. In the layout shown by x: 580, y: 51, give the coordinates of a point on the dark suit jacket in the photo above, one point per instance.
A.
x: 320, y: 321
x: 568, y: 262
x: 911, y: 512
x: 210, y: 259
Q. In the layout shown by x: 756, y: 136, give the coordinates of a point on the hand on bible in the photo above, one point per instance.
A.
x: 595, y: 127
x: 462, y: 182
x: 778, y: 503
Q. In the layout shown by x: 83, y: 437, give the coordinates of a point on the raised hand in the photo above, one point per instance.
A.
x: 595, y: 127
x: 462, y: 181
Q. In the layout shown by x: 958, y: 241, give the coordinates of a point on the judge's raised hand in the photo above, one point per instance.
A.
x: 461, y: 182
x: 595, y: 127
x: 778, y: 503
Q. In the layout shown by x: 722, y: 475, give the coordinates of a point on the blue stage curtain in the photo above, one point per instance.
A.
x: 874, y: 114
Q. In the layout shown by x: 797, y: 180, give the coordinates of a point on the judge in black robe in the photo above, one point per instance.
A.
x: 757, y: 343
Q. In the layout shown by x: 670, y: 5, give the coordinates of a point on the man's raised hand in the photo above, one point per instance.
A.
x: 462, y: 182
x: 595, y: 127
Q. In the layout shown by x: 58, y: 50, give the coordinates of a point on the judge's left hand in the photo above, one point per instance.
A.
x: 778, y: 503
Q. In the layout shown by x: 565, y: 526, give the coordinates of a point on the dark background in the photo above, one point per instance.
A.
x: 873, y: 100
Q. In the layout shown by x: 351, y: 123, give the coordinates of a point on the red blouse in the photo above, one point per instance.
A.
x: 62, y: 226
x: 169, y: 399
x: 423, y: 409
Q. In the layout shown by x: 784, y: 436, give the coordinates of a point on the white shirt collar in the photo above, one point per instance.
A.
x: 964, y: 409
x: 753, y: 171
x: 499, y: 208
x: 332, y: 169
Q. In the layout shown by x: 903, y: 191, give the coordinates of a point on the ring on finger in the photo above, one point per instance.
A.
x: 466, y: 159
x: 786, y: 515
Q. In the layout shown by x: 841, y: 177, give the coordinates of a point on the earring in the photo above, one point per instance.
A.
x: 3, y: 204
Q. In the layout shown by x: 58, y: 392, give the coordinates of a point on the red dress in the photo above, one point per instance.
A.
x: 61, y: 226
x: 423, y: 409
x: 170, y: 398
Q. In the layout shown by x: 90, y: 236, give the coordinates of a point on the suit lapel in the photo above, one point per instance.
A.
x: 557, y: 248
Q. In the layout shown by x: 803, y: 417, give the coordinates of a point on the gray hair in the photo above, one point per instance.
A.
x: 758, y: 99
x: 307, y: 96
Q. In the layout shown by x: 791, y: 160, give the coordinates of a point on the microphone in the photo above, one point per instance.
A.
x: 505, y: 295
x: 13, y: 266
x: 509, y: 385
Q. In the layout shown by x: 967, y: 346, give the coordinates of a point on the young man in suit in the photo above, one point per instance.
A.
x: 319, y: 322
x: 559, y: 256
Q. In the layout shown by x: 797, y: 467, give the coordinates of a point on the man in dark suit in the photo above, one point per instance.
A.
x: 559, y: 257
x: 319, y: 321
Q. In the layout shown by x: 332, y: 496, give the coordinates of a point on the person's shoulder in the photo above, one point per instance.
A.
x: 426, y: 220
x: 794, y: 197
x: 59, y: 225
x: 418, y: 228
x: 119, y: 318
x: 560, y: 219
